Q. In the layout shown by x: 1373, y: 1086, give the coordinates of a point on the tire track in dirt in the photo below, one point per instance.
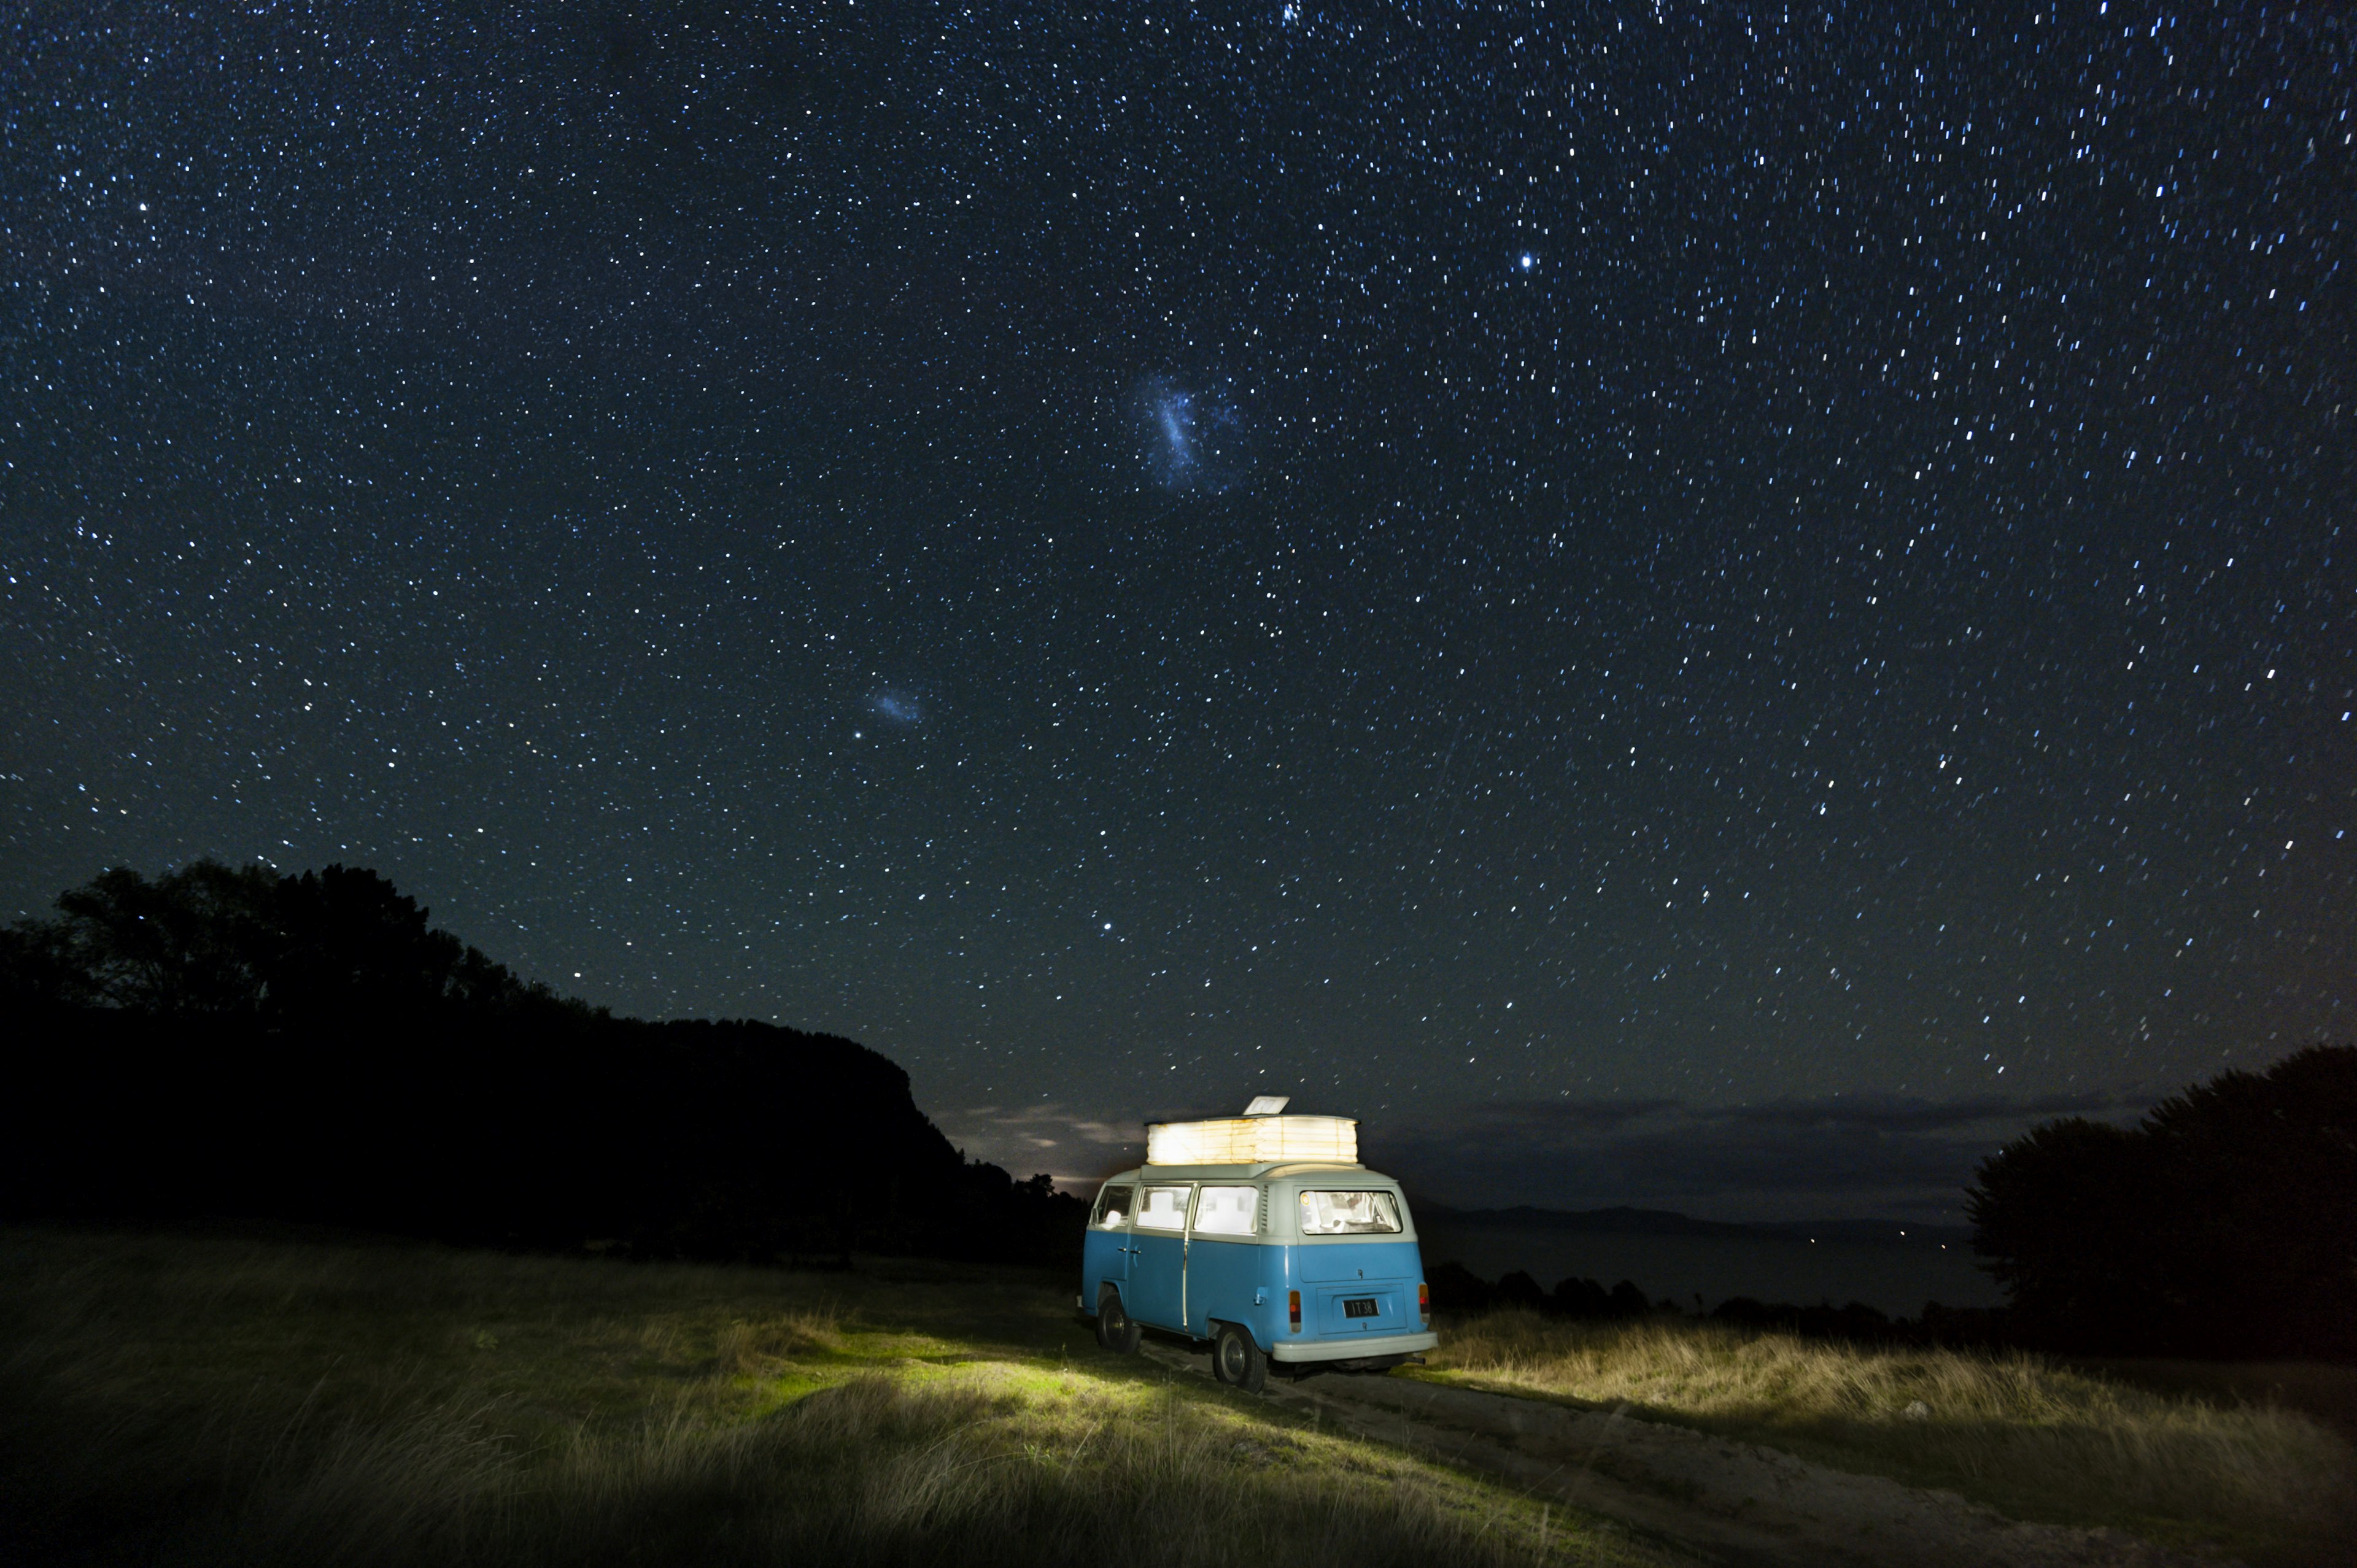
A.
x: 1726, y: 1501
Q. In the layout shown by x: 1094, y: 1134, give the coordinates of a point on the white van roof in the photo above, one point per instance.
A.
x: 1252, y: 1140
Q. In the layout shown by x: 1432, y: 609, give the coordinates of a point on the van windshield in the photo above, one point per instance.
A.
x: 1350, y: 1214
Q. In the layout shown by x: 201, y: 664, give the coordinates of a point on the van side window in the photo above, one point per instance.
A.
x: 1113, y: 1208
x: 1348, y: 1214
x: 1162, y: 1208
x: 1227, y: 1210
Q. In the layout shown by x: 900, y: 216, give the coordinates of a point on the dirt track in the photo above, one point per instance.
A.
x: 1725, y: 1501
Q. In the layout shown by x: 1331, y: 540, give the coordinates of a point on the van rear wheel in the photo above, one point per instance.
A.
x: 1117, y: 1330
x: 1237, y: 1361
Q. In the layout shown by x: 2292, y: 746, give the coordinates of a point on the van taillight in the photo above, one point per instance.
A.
x: 1424, y: 1303
x: 1292, y: 1308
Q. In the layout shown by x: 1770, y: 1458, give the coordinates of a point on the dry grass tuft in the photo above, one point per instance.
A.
x: 2036, y: 1439
x: 974, y: 1470
x: 764, y: 1344
x: 227, y: 1401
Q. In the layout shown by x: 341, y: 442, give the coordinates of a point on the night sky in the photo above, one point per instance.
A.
x: 1691, y: 604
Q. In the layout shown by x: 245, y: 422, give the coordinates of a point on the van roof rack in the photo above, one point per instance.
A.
x: 1260, y: 1172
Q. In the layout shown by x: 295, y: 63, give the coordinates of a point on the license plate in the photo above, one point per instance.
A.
x: 1359, y: 1306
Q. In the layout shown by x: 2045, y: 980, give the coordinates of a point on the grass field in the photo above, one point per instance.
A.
x: 215, y: 1399
x: 2038, y: 1441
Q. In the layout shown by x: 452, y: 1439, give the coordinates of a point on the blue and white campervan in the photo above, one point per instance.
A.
x: 1264, y: 1235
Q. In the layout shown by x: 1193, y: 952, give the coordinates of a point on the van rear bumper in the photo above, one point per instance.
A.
x: 1289, y: 1350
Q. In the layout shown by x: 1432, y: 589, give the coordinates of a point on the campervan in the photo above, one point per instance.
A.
x: 1263, y: 1235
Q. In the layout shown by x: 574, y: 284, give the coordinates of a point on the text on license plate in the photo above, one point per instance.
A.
x: 1358, y: 1306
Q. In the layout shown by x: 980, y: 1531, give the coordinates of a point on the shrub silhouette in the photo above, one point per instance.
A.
x: 2223, y: 1224
x: 1456, y: 1288
x: 1580, y: 1298
x: 1519, y: 1289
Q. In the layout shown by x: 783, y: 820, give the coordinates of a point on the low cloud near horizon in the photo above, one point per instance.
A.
x: 1847, y: 1157
x: 1077, y: 1149
x: 1835, y: 1159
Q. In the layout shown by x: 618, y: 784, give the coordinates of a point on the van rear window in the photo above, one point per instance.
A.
x: 1350, y: 1214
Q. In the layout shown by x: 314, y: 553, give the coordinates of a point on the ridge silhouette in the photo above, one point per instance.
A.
x: 228, y: 1041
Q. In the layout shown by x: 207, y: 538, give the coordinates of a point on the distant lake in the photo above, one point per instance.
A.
x: 1898, y: 1277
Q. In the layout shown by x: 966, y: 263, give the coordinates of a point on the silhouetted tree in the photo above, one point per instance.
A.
x: 187, y: 945
x: 2224, y: 1224
x: 2263, y: 1171
x: 2065, y: 1215
x: 212, y: 940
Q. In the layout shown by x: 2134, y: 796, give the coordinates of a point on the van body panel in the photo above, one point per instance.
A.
x: 1157, y: 1276
x: 1320, y: 1261
x: 1104, y: 1261
x: 1223, y: 1276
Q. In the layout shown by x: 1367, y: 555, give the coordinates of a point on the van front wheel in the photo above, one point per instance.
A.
x: 1117, y: 1330
x: 1237, y: 1361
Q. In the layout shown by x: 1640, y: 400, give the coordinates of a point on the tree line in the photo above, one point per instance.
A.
x: 1456, y: 1288
x: 227, y: 1040
x: 2222, y: 1224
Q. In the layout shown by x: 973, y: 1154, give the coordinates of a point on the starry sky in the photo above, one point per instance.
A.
x: 1709, y: 605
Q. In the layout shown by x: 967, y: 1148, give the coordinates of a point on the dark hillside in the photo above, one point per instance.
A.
x: 224, y: 1042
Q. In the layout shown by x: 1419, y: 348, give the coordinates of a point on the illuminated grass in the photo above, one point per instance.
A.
x: 214, y: 1400
x: 2037, y: 1440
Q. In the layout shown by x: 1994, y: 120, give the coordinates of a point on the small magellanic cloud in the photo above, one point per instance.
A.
x: 897, y: 706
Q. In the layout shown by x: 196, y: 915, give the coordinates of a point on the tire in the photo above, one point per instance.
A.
x: 1117, y: 1330
x: 1237, y: 1361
